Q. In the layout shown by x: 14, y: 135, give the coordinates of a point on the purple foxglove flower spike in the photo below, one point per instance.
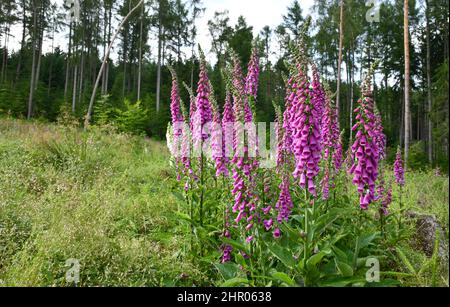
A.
x: 364, y: 149
x: 251, y: 82
x: 398, y: 169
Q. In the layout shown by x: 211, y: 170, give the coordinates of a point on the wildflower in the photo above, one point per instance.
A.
x: 326, y: 184
x: 284, y: 204
x: 306, y: 136
x: 379, y: 136
x: 277, y: 233
x: 364, y: 149
x: 251, y: 82
x: 268, y: 224
x: 203, y: 111
x: 398, y: 169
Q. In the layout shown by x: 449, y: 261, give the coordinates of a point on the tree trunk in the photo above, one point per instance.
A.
x: 66, y: 86
x: 341, y: 39
x: 74, y: 90
x: 22, y: 44
x: 352, y: 77
x: 429, y: 99
x: 407, y: 81
x: 5, y: 55
x: 40, y: 40
x: 33, y: 65
x: 140, y: 56
x: 158, y: 73
x: 81, y: 83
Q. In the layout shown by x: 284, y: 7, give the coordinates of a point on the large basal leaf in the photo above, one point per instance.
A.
x: 315, y: 259
x: 283, y: 255
x: 227, y: 270
x: 345, y: 269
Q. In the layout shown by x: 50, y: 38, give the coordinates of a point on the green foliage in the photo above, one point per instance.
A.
x: 103, y: 199
x: 133, y: 119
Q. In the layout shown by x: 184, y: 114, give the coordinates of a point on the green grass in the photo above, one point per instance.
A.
x: 106, y: 200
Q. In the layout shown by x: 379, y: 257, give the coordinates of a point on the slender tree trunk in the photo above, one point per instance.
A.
x: 109, y: 42
x: 40, y: 40
x: 22, y: 44
x: 429, y: 99
x: 341, y: 39
x: 402, y: 115
x: 74, y: 90
x: 140, y: 56
x: 352, y: 76
x: 66, y: 86
x: 407, y: 81
x: 50, y: 69
x: 33, y: 65
x: 158, y: 73
x: 38, y: 68
x: 81, y: 83
x: 5, y: 55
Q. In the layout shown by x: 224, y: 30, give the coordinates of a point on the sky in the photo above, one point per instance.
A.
x: 258, y: 13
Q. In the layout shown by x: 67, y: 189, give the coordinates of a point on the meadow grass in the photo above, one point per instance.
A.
x: 101, y: 198
x: 106, y: 200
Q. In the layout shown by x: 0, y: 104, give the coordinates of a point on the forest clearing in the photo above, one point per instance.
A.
x: 169, y: 143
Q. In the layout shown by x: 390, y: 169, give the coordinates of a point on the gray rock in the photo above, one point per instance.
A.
x: 426, y: 227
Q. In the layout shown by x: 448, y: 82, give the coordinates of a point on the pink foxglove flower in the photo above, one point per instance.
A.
x: 203, y: 111
x: 364, y: 150
x: 380, y: 137
x: 284, y: 205
x: 251, y: 82
x: 398, y: 169
x: 306, y: 134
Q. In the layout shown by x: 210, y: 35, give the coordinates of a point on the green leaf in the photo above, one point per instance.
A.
x: 341, y: 255
x: 283, y: 255
x: 185, y: 217
x: 341, y: 281
x: 283, y: 277
x: 240, y: 259
x: 179, y: 196
x: 227, y: 270
x: 237, y: 281
x: 365, y: 240
x: 315, y: 259
x: 344, y: 269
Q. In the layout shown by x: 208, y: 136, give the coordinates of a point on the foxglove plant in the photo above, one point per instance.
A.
x: 380, y: 137
x: 364, y: 149
x: 192, y: 105
x: 203, y: 111
x: 202, y: 118
x: 331, y: 143
x: 241, y: 168
x: 178, y: 133
x: 251, y: 82
x: 284, y: 205
x: 306, y: 136
x: 398, y: 169
x: 227, y: 122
